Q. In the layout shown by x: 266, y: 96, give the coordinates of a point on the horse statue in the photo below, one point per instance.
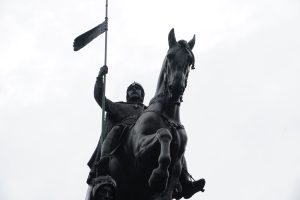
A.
x: 148, y: 163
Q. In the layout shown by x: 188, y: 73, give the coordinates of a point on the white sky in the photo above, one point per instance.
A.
x: 241, y: 108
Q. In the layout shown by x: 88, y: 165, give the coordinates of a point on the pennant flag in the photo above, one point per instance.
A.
x: 88, y: 36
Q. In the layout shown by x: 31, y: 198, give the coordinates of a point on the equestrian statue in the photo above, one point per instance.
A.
x: 142, y: 147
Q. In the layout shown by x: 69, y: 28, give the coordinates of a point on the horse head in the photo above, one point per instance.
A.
x: 177, y: 65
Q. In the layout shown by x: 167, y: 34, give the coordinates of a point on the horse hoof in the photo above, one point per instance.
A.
x: 193, y: 188
x: 199, y: 185
x: 158, y: 180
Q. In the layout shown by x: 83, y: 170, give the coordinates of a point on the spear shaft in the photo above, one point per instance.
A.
x: 79, y: 43
x: 104, y: 78
x: 103, y: 90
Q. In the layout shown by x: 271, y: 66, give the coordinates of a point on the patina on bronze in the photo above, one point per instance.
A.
x: 147, y: 163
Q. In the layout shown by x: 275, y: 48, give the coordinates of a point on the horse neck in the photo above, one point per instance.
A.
x: 164, y: 104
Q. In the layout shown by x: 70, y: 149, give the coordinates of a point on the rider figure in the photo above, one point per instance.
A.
x: 120, y: 116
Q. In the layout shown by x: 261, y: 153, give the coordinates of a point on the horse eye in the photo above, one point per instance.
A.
x: 170, y: 56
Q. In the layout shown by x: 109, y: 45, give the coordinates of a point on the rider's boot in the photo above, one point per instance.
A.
x: 104, y: 185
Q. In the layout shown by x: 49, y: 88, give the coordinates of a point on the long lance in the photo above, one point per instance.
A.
x: 79, y: 43
x: 82, y: 41
x: 103, y: 88
x: 104, y: 80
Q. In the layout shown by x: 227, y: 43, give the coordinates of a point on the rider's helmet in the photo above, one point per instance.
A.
x: 136, y: 86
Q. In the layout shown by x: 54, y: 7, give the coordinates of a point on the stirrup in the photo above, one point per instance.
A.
x: 104, y: 186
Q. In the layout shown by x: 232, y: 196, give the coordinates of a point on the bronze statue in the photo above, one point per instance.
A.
x: 142, y: 153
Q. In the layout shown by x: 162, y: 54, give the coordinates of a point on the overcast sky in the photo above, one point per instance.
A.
x: 241, y: 108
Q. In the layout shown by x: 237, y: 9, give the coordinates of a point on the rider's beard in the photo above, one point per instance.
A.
x: 135, y: 98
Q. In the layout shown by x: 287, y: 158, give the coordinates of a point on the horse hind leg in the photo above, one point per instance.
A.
x: 159, y: 177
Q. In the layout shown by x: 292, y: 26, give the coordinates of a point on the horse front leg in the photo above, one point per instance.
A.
x: 160, y: 140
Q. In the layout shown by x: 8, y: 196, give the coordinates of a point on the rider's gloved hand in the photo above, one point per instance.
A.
x: 103, y: 71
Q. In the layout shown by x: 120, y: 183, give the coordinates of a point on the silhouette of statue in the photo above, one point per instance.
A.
x: 142, y: 148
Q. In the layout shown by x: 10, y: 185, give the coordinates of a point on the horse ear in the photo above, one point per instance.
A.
x: 172, y: 39
x: 191, y: 43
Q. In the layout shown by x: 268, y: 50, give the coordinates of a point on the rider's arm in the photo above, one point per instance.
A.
x: 98, y: 91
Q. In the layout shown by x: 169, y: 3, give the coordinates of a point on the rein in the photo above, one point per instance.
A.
x: 171, y: 124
